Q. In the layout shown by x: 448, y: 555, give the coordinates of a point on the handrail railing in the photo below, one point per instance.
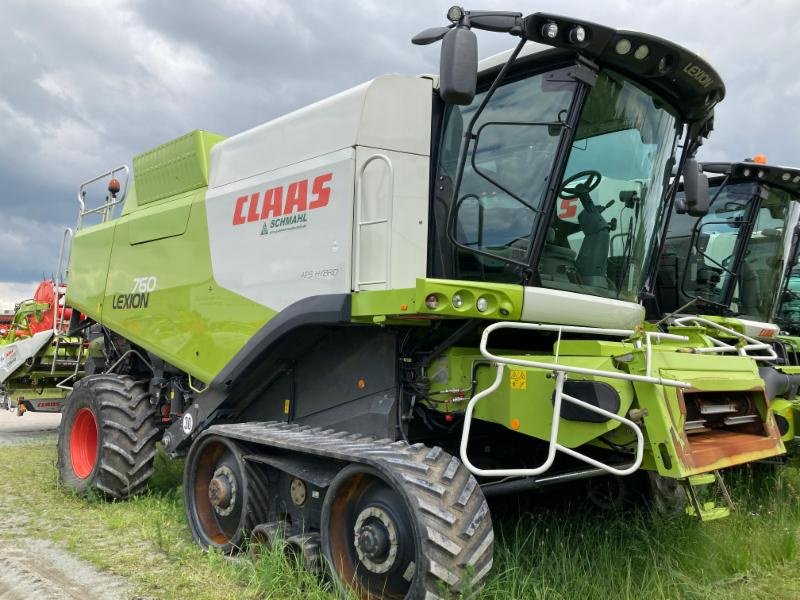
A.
x: 722, y: 347
x: 59, y: 281
x: 110, y: 202
x: 561, y: 372
x: 360, y: 225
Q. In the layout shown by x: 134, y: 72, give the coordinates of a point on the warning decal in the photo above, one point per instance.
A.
x: 519, y: 379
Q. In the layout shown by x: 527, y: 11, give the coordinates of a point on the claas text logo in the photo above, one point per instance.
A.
x: 282, y: 208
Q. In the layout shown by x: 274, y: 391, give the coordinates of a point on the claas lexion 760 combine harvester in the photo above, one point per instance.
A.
x: 723, y: 274
x: 362, y: 318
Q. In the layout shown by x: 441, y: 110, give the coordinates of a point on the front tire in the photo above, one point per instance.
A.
x: 107, y: 437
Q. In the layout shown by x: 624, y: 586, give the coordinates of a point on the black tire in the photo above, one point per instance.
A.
x: 118, y: 460
x: 665, y: 496
x: 224, y: 528
x: 608, y: 493
x: 440, y: 534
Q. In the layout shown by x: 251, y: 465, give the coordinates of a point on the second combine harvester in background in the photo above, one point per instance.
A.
x: 722, y: 275
x: 363, y: 316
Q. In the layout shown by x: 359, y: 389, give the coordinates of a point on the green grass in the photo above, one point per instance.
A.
x: 550, y: 553
x: 145, y: 539
x: 566, y: 554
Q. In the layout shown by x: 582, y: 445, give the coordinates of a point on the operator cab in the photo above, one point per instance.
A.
x: 734, y: 259
x: 788, y: 313
x: 564, y: 181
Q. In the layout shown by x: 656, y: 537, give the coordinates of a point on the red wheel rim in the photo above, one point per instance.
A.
x: 83, y: 443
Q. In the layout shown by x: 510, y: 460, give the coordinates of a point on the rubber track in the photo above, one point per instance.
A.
x: 446, y: 500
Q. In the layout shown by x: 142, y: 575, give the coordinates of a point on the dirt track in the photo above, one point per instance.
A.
x: 38, y: 568
x: 28, y: 429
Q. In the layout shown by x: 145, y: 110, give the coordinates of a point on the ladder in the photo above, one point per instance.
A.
x: 704, y: 508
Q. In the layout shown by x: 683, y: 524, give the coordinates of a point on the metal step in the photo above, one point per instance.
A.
x: 708, y: 510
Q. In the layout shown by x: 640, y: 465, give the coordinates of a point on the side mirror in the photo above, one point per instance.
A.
x: 458, y: 66
x: 695, y: 188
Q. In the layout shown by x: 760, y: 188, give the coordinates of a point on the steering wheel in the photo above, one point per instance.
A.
x: 592, y: 181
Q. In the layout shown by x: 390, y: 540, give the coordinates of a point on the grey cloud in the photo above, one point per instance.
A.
x: 87, y: 85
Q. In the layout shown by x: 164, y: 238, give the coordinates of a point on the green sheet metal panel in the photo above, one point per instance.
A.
x: 173, y: 168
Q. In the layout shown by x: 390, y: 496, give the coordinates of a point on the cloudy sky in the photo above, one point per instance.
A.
x: 85, y: 85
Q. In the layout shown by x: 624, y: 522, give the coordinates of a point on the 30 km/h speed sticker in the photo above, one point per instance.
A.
x: 519, y: 379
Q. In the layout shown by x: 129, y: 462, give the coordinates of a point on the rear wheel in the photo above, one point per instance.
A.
x: 107, y: 437
x: 225, y: 496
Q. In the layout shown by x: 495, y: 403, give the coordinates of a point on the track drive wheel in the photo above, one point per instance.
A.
x: 225, y: 496
x: 107, y: 437
x: 406, y: 537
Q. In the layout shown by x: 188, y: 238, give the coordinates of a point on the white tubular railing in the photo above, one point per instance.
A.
x: 721, y: 347
x: 59, y: 292
x: 104, y: 209
x: 561, y: 372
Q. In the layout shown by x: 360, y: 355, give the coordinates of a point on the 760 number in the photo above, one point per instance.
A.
x: 142, y: 285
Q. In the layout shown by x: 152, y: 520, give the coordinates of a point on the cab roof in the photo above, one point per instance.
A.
x: 676, y: 74
x: 787, y: 178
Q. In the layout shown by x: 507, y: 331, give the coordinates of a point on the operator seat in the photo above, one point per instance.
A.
x: 558, y: 258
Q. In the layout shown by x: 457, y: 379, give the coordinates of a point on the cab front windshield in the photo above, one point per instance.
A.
x: 610, y: 198
x: 735, y: 253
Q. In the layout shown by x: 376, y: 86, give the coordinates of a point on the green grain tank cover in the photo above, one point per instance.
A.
x: 173, y: 168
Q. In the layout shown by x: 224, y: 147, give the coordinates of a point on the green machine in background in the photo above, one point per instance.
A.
x: 38, y: 361
x: 723, y: 273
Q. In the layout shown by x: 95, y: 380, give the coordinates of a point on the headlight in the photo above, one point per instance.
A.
x: 577, y: 35
x: 550, y: 30
x: 623, y: 46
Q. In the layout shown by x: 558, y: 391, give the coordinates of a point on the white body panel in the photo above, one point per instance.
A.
x: 14, y: 355
x: 277, y: 260
x: 374, y: 143
x: 758, y: 329
x: 392, y: 112
x: 392, y: 207
x: 542, y: 305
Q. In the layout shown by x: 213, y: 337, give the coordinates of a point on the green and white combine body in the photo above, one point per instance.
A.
x: 737, y: 259
x: 217, y: 236
x: 350, y: 298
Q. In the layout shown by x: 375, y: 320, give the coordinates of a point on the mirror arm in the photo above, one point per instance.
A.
x: 469, y: 136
